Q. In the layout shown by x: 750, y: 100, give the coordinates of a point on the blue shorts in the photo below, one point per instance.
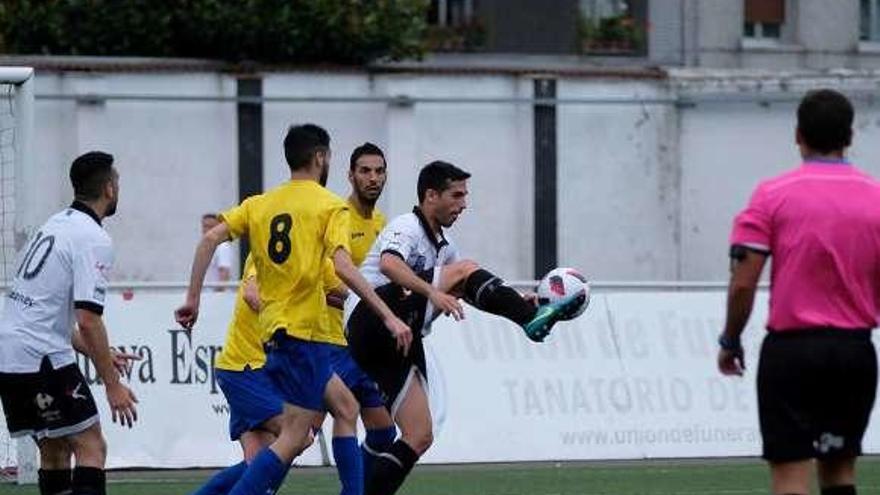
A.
x: 299, y: 369
x: 362, y: 386
x: 253, y: 399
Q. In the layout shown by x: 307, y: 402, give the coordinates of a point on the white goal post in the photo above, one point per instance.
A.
x: 16, y: 131
x: 18, y: 459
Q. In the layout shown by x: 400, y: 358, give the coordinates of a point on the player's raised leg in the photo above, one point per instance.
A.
x: 488, y: 292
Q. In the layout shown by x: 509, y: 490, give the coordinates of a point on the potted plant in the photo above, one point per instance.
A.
x: 467, y: 37
x: 621, y: 34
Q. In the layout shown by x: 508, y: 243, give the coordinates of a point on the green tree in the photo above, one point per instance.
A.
x: 270, y: 31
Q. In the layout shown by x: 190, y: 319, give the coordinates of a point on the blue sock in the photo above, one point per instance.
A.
x: 349, y: 465
x: 222, y: 482
x: 264, y: 475
x: 378, y: 440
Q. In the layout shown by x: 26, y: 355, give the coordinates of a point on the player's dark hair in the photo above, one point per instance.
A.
x: 365, y: 149
x: 211, y: 216
x: 438, y: 175
x: 824, y: 120
x: 302, y: 142
x: 89, y: 173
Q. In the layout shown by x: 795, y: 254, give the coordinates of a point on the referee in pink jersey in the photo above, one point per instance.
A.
x: 817, y: 374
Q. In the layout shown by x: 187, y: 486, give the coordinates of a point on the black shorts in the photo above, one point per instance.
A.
x: 50, y: 403
x: 374, y: 349
x: 816, y: 390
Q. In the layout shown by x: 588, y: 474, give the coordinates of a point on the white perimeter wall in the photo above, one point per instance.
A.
x: 646, y: 191
x: 176, y: 161
x: 634, y: 377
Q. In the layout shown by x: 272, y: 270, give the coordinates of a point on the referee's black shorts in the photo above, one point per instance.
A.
x: 816, y: 389
x: 375, y: 351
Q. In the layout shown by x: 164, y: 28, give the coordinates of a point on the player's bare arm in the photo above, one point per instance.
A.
x: 353, y: 279
x: 188, y: 314
x: 94, y: 339
x: 400, y: 273
x: 251, y: 294
x: 745, y: 272
x: 121, y: 360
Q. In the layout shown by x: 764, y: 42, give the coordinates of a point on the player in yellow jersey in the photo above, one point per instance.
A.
x: 367, y: 174
x: 292, y: 229
x: 252, y: 396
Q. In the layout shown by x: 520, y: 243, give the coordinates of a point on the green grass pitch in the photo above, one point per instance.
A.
x: 723, y: 477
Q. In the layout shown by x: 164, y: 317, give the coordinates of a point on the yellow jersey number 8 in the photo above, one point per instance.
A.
x: 279, y: 238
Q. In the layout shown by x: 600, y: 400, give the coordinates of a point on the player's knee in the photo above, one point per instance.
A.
x: 837, y: 472
x: 55, y: 454
x: 274, y: 425
x: 425, y: 441
x: 252, y: 442
x: 291, y: 443
x: 420, y: 441
x: 90, y: 450
x: 347, y: 411
x: 345, y: 408
x: 318, y: 422
x: 469, y: 266
x: 376, y: 418
x: 463, y: 269
x: 455, y: 276
x: 300, y: 442
x: 295, y: 425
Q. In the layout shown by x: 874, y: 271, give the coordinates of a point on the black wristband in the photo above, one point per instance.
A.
x: 729, y: 343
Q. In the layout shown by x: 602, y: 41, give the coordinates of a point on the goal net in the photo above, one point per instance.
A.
x: 18, y: 460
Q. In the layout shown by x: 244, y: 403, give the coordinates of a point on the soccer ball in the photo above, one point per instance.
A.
x: 562, y: 282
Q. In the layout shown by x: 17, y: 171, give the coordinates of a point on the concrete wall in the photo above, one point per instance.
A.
x: 727, y: 148
x: 179, y: 159
x: 618, y: 196
x: 646, y: 191
x: 492, y: 141
x: 176, y: 160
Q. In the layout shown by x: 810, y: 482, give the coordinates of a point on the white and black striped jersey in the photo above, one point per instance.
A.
x: 64, y: 266
x: 410, y: 237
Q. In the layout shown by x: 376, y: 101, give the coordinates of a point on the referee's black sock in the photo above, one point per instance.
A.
x: 89, y: 481
x: 54, y: 481
x: 839, y: 490
x: 390, y: 469
x: 487, y: 292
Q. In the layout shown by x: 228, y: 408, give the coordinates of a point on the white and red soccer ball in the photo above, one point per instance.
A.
x: 560, y: 283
